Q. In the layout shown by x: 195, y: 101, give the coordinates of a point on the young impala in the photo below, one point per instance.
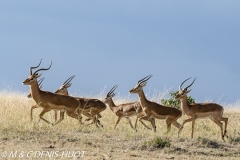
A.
x: 126, y: 110
x: 89, y: 107
x: 155, y: 110
x: 200, y: 110
x: 50, y: 101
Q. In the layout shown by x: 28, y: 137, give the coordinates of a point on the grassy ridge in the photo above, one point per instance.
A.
x: 17, y: 133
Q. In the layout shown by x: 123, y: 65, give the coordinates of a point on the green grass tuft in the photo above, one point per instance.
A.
x: 156, y: 143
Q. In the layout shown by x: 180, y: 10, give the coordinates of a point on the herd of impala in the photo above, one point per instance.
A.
x: 147, y: 110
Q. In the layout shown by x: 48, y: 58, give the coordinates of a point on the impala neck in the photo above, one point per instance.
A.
x: 184, y: 104
x: 142, y: 98
x: 111, y: 104
x: 65, y: 92
x: 35, y: 91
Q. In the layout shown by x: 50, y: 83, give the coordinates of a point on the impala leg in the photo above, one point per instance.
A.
x: 169, y: 122
x: 61, y: 117
x: 218, y: 117
x: 129, y: 120
x: 73, y: 114
x: 147, y: 118
x: 55, y: 113
x: 193, y: 122
x: 95, y: 112
x: 92, y: 115
x: 94, y: 121
x: 145, y: 125
x: 136, y: 122
x: 98, y: 121
x: 172, y: 120
x: 220, y: 125
x: 33, y: 107
x: 139, y: 115
x: 118, y: 120
x: 153, y: 124
x: 187, y: 120
x: 176, y: 124
x: 77, y: 114
x: 226, y: 122
x: 45, y: 110
x: 94, y: 118
x: 225, y: 128
x: 99, y: 115
x: 89, y: 116
x: 151, y: 120
x: 137, y: 119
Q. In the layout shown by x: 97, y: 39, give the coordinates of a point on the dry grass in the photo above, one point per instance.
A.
x: 17, y: 133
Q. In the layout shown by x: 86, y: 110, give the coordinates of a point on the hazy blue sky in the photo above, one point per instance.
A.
x: 110, y: 42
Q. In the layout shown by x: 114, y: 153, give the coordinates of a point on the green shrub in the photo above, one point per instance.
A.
x: 156, y: 143
x: 172, y: 102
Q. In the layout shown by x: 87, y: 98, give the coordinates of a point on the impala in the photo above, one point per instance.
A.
x: 51, y: 101
x: 200, y: 110
x: 88, y: 107
x: 126, y: 110
x: 36, y: 105
x: 155, y: 110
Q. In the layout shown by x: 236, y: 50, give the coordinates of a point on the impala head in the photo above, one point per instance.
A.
x: 183, y: 92
x: 141, y: 83
x: 40, y: 86
x: 110, y: 94
x: 64, y: 87
x: 33, y: 76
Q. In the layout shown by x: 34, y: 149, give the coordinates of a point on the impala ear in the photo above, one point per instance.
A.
x: 38, y: 75
x: 188, y: 91
x: 69, y: 85
x: 143, y: 84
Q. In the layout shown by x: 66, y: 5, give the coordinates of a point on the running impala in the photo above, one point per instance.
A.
x: 155, y: 110
x: 200, y: 110
x: 126, y: 110
x: 51, y: 101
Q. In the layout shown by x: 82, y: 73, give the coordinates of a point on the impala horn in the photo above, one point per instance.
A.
x: 42, y: 69
x: 68, y: 80
x: 111, y: 91
x: 180, y: 87
x: 35, y: 67
x: 144, y: 79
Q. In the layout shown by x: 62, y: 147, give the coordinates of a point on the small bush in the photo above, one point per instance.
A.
x: 172, y: 102
x: 156, y: 143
